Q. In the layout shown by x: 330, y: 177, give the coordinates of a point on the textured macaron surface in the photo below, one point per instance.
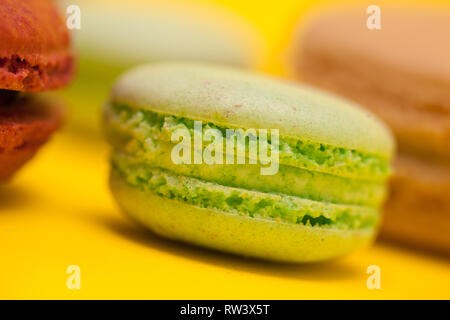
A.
x: 324, y: 181
x: 34, y: 46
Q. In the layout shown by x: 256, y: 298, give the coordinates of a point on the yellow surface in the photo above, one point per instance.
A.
x: 58, y: 212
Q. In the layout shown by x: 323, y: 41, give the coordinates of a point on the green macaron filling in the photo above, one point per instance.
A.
x: 339, y: 161
x: 255, y: 204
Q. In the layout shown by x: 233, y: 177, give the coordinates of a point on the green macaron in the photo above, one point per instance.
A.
x: 314, y: 195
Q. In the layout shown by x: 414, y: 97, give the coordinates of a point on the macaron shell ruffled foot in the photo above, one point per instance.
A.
x: 34, y: 47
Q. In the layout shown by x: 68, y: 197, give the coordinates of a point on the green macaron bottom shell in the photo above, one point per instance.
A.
x: 232, y: 232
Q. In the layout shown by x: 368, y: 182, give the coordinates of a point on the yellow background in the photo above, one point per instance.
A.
x: 58, y: 212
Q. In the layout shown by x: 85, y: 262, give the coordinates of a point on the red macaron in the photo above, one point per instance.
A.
x: 35, y: 56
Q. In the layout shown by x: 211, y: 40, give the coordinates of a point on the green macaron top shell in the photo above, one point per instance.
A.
x: 230, y: 97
